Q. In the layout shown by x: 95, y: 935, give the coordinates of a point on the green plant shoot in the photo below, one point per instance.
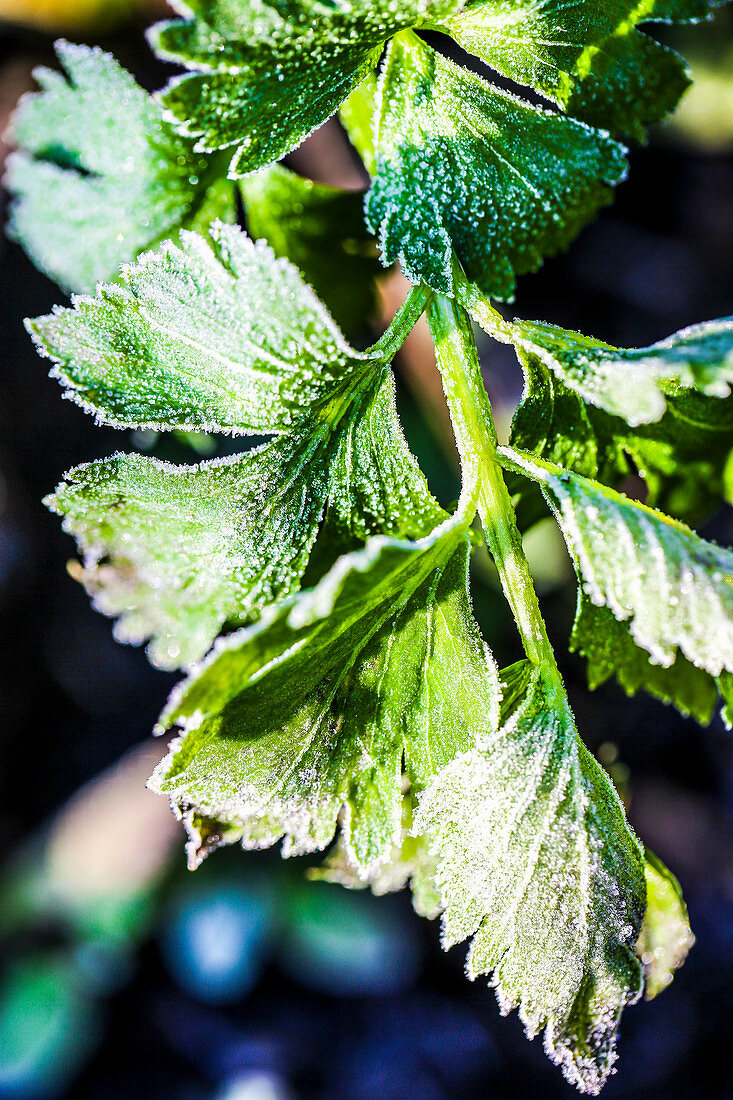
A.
x: 337, y: 692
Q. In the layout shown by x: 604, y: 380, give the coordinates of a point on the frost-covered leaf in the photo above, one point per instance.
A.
x: 666, y: 936
x: 410, y: 862
x: 611, y: 651
x: 681, y: 456
x: 179, y: 551
x: 462, y: 165
x: 188, y: 342
x: 269, y: 74
x: 314, y: 708
x: 587, y: 57
x: 633, y: 384
x: 100, y: 175
x: 555, y: 424
x: 669, y: 587
x: 216, y: 336
x: 321, y: 230
x: 682, y: 459
x: 537, y: 863
x: 374, y: 484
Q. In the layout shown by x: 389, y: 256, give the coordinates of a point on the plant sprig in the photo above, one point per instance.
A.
x: 337, y: 688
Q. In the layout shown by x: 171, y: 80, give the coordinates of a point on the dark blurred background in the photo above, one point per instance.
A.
x: 124, y: 975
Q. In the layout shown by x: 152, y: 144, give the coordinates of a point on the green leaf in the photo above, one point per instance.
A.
x: 410, y: 861
x: 666, y: 936
x: 100, y: 175
x: 374, y: 483
x: 179, y: 552
x: 609, y: 414
x: 214, y: 337
x: 269, y: 75
x: 669, y: 588
x: 610, y: 650
x: 464, y: 166
x: 683, y: 458
x: 357, y: 115
x: 537, y: 863
x: 321, y: 230
x: 632, y: 384
x: 590, y: 59
x: 555, y: 424
x: 192, y: 340
x: 314, y: 708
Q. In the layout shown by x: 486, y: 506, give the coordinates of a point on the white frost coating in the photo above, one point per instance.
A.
x: 310, y: 716
x: 90, y: 142
x: 463, y: 166
x: 303, y: 61
x: 409, y: 861
x: 674, y: 588
x: 555, y: 47
x: 199, y: 338
x: 536, y: 862
x: 202, y: 338
x: 632, y: 383
x: 178, y: 552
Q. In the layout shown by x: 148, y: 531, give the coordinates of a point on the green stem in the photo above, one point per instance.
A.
x: 482, y: 311
x: 475, y: 434
x: 402, y: 324
x: 334, y: 407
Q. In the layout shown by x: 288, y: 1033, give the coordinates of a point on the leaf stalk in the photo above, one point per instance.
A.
x: 402, y: 324
x: 476, y: 439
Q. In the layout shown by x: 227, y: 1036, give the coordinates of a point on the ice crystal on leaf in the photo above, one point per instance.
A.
x: 501, y: 177
x: 633, y: 384
x: 464, y: 166
x: 588, y: 57
x: 537, y: 863
x: 410, y: 862
x: 611, y: 651
x: 313, y: 709
x: 664, y: 412
x: 670, y: 589
x: 269, y: 74
x: 223, y: 337
x: 100, y: 175
x: 349, y: 701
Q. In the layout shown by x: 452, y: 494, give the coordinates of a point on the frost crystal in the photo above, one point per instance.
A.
x: 228, y: 339
x: 537, y: 864
x: 672, y: 590
x: 100, y: 175
x: 349, y: 696
x: 464, y: 166
x: 314, y: 708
